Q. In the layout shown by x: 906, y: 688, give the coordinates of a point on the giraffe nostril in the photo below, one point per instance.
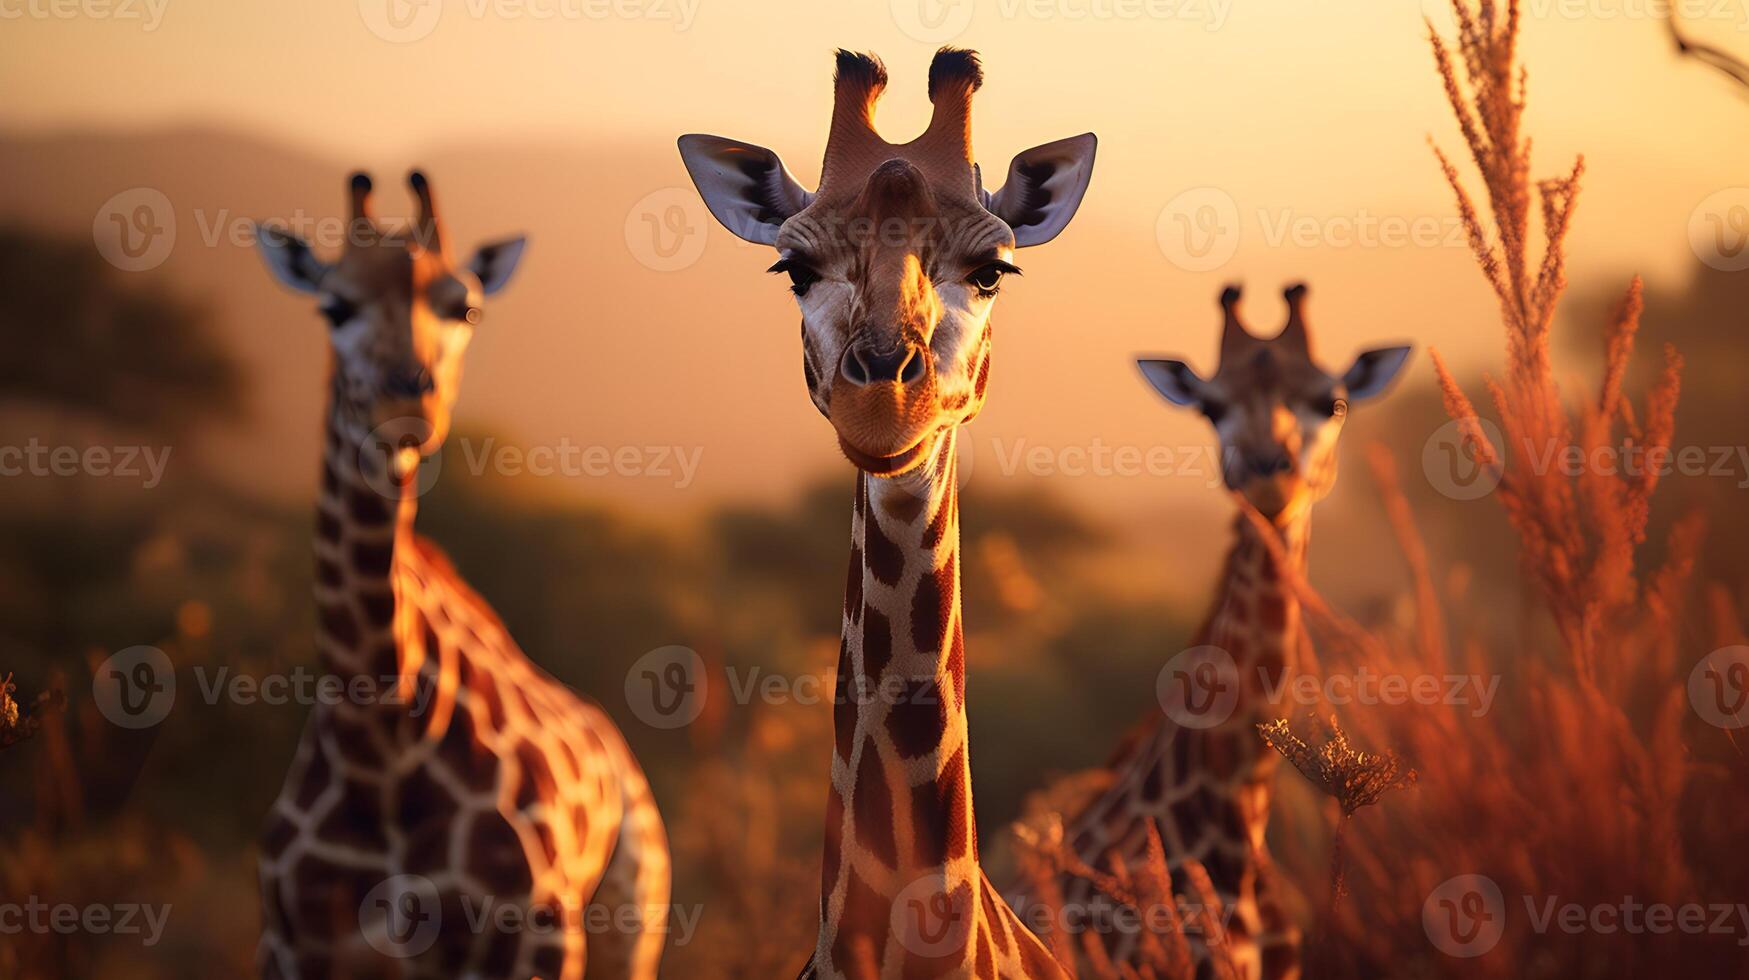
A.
x: 854, y: 370
x: 863, y: 365
x: 912, y: 369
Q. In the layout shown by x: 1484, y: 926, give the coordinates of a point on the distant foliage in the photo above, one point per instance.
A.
x: 85, y: 337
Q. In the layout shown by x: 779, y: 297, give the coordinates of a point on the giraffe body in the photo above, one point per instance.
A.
x: 895, y: 261
x: 1206, y: 790
x: 1201, y: 776
x: 458, y: 812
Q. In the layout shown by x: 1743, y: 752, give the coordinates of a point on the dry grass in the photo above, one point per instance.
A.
x: 1589, y: 781
x: 1192, y: 914
x: 757, y: 790
x: 1585, y: 782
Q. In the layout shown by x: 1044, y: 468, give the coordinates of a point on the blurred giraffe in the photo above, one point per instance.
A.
x: 895, y: 261
x: 1199, y: 773
x: 455, y: 779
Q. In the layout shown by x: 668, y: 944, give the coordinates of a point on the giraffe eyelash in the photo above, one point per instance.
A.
x: 987, y: 278
x: 801, y: 275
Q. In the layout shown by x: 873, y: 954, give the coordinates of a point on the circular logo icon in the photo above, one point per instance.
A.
x: 401, y: 916
x: 1718, y: 230
x: 1199, y: 229
x: 135, y: 688
x: 1449, y: 461
x: 390, y: 448
x: 665, y: 688
x: 665, y: 231
x: 1199, y: 688
x: 1718, y: 687
x: 1465, y: 916
x: 931, y: 921
x: 932, y: 21
x: 401, y: 21
x: 135, y: 230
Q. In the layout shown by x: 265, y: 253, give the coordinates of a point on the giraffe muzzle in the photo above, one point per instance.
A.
x: 884, y: 407
x: 904, y: 365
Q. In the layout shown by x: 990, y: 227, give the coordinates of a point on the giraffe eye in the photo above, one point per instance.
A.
x: 472, y: 315
x: 987, y: 278
x: 338, y: 311
x: 1335, y: 407
x: 801, y: 275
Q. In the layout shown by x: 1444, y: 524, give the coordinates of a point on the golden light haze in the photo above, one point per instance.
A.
x: 1310, y: 119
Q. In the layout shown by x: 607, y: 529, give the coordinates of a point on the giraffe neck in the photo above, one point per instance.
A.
x: 1256, y: 616
x: 900, y: 809
x: 364, y: 519
x: 1256, y: 621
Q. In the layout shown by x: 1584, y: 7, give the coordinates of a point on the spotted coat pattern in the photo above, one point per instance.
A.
x: 1206, y: 790
x: 464, y: 765
x: 902, y: 891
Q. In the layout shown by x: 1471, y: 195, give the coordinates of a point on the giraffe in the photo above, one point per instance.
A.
x: 458, y: 809
x: 1199, y: 773
x: 895, y: 261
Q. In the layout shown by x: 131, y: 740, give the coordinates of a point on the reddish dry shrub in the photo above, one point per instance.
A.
x: 1589, y: 781
x: 1585, y: 782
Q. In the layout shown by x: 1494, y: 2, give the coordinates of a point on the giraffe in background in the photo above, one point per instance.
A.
x: 895, y: 261
x: 1199, y: 774
x: 455, y: 773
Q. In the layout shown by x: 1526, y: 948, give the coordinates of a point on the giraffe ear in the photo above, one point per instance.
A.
x: 494, y: 262
x: 746, y: 187
x: 1044, y: 188
x: 1373, y: 371
x: 289, y: 258
x: 1174, y: 380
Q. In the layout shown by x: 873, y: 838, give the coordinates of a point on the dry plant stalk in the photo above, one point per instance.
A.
x: 1340, y: 771
x: 1582, y: 753
x: 1578, y: 534
x: 17, y: 724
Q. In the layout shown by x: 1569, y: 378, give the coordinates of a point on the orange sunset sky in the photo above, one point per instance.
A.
x: 1294, y: 134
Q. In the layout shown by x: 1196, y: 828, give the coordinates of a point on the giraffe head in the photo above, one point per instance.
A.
x: 399, y: 313
x: 1276, y: 412
x: 896, y: 258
